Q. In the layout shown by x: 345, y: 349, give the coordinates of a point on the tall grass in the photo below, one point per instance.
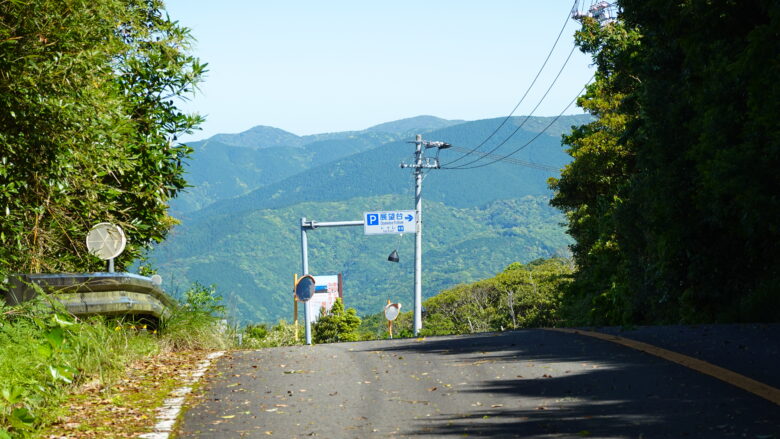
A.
x: 46, y: 353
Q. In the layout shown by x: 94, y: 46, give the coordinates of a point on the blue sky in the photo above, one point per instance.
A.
x: 324, y: 66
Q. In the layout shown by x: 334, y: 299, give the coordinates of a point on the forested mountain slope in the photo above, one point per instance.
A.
x: 252, y: 255
x: 477, y: 221
x: 228, y: 165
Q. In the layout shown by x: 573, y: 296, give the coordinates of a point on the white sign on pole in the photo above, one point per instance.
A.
x: 390, y: 222
x: 325, y: 294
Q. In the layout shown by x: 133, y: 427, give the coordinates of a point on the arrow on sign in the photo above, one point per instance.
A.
x: 409, y: 217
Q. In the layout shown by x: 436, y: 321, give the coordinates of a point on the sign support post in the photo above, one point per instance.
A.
x: 311, y: 225
x: 305, y: 268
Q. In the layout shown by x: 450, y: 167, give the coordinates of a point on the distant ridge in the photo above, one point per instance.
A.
x: 422, y: 123
x: 260, y: 137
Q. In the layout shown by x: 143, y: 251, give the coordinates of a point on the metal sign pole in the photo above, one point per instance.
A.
x: 305, y: 267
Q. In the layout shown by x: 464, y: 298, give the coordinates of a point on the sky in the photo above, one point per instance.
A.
x: 309, y: 66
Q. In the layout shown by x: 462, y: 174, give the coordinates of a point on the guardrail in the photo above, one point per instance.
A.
x: 94, y: 293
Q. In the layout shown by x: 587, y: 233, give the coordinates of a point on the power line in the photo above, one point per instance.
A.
x: 544, y: 64
x: 500, y: 158
x: 555, y: 80
x: 514, y: 161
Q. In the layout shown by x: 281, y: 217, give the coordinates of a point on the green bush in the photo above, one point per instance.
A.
x: 337, y: 325
x: 197, y: 324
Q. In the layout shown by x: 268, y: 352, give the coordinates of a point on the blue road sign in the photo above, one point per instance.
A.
x: 390, y: 222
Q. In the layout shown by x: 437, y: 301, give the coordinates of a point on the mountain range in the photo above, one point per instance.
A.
x: 240, y: 220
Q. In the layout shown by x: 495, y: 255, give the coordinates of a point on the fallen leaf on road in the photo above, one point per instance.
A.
x: 497, y: 405
x: 432, y: 389
x: 228, y: 417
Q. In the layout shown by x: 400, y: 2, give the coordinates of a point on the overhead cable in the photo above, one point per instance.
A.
x: 544, y: 64
x: 520, y: 126
x: 514, y: 161
x: 503, y: 157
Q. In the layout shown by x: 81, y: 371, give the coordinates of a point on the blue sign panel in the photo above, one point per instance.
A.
x: 390, y: 222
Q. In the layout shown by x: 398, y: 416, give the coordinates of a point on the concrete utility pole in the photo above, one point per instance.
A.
x: 419, y: 164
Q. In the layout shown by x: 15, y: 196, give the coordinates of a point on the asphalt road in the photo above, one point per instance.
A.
x: 530, y: 384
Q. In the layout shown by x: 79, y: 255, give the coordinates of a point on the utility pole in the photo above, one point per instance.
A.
x: 419, y: 164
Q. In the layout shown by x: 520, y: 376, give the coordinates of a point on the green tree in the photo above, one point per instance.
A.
x: 337, y: 325
x: 88, y: 127
x: 671, y: 196
x: 594, y: 185
x: 702, y: 216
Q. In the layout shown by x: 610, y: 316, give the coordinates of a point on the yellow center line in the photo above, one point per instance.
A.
x: 755, y: 387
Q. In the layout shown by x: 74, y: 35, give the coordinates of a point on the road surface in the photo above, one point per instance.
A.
x: 528, y: 383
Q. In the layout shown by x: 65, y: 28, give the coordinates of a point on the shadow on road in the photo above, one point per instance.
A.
x: 560, y: 384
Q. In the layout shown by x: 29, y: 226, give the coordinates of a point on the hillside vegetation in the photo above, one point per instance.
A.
x: 672, y: 194
x: 252, y: 256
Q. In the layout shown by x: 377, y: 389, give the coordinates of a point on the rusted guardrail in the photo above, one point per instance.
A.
x: 94, y: 293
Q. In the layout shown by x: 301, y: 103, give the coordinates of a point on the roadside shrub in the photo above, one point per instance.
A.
x: 282, y: 334
x: 337, y: 325
x: 197, y: 324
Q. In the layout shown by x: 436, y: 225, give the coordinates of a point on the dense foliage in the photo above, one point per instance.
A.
x: 592, y: 188
x: 88, y: 125
x: 684, y: 227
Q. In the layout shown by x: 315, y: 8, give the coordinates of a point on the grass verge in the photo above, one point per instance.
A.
x: 52, y: 363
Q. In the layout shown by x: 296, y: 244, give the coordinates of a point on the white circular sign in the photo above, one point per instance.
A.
x: 106, y: 241
x: 392, y: 310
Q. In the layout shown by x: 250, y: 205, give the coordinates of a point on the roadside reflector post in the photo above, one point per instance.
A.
x: 295, y: 305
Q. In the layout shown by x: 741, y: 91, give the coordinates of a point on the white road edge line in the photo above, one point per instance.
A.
x: 167, y: 414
